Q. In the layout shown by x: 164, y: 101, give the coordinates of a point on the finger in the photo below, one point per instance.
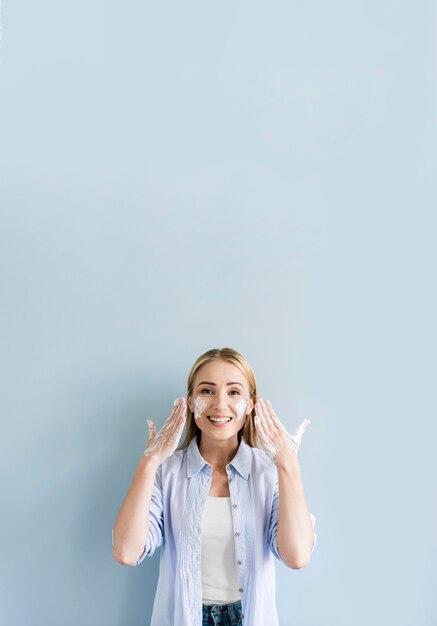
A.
x: 175, y: 408
x: 178, y: 407
x: 175, y: 426
x: 265, y: 441
x: 168, y: 422
x: 301, y: 429
x: 181, y: 414
x: 182, y: 419
x: 273, y: 425
x: 152, y: 430
x: 260, y: 426
x: 275, y: 418
x: 263, y: 413
x: 296, y: 440
x: 262, y: 440
x: 180, y: 427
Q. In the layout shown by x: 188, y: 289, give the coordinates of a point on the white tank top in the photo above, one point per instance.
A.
x: 219, y: 570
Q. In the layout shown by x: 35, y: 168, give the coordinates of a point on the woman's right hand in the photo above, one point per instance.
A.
x: 162, y: 445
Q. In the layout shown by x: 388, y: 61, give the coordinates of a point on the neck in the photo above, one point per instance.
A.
x: 218, y: 453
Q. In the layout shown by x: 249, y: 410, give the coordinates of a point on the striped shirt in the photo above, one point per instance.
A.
x: 181, y: 487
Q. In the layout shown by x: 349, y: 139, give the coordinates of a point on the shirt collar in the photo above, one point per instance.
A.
x: 241, y: 461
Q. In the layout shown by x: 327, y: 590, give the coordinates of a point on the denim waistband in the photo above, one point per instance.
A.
x: 229, y: 612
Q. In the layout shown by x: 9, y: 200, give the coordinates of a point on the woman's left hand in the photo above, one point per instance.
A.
x: 275, y: 440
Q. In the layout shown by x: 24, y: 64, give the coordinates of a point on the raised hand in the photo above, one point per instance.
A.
x: 162, y: 445
x: 277, y: 443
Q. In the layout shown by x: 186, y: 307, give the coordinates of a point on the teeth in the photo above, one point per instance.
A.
x: 219, y: 420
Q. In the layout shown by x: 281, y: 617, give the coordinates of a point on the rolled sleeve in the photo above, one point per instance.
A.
x: 156, y: 521
x: 156, y: 518
x: 273, y: 526
x: 313, y: 520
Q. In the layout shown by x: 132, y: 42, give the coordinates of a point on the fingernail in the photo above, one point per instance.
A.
x: 175, y: 402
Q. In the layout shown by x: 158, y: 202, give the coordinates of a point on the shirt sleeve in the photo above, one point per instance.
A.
x: 274, y: 519
x: 313, y: 519
x: 156, y: 521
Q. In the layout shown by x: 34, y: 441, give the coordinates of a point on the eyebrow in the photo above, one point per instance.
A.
x: 205, y: 382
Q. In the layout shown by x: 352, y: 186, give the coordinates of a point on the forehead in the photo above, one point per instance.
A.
x: 220, y: 371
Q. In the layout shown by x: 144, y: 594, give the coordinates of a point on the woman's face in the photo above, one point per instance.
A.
x: 220, y: 392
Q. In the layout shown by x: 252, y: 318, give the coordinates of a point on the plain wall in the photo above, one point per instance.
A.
x: 182, y: 176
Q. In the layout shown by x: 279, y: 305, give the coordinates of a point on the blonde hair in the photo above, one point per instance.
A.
x: 231, y: 356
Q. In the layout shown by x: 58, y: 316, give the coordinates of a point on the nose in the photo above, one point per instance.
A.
x: 221, y: 400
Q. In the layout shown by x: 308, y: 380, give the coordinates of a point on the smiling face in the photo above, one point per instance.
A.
x: 220, y: 400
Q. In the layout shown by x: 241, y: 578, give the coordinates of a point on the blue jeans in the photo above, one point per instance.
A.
x: 223, y: 614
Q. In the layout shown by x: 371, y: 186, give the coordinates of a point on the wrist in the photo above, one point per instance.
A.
x: 288, y: 465
x: 148, y: 463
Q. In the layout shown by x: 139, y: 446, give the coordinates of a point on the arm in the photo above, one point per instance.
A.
x: 131, y: 530
x: 139, y: 527
x: 295, y: 533
x: 291, y: 533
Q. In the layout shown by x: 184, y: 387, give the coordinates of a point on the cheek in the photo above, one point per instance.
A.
x: 199, y: 406
x: 241, y: 407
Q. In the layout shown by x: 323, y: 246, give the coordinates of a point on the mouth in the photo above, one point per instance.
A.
x: 219, y: 421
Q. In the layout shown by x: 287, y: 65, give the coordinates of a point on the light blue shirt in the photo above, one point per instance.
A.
x: 179, y: 494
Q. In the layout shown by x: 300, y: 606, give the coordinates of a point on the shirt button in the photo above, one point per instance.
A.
x: 241, y: 590
x: 235, y: 506
x: 237, y: 534
x: 239, y: 562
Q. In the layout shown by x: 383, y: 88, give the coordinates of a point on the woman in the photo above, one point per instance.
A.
x: 222, y: 505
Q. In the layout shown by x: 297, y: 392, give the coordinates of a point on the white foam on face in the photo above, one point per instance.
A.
x: 199, y: 406
x: 241, y: 407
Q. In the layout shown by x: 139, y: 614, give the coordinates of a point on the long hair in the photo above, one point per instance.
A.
x: 231, y: 356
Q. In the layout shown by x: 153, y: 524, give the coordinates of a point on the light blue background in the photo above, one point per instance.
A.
x: 182, y: 176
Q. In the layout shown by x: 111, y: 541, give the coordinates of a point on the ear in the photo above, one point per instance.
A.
x: 250, y: 406
x: 189, y: 402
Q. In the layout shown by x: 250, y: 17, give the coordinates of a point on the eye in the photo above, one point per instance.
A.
x: 232, y: 391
